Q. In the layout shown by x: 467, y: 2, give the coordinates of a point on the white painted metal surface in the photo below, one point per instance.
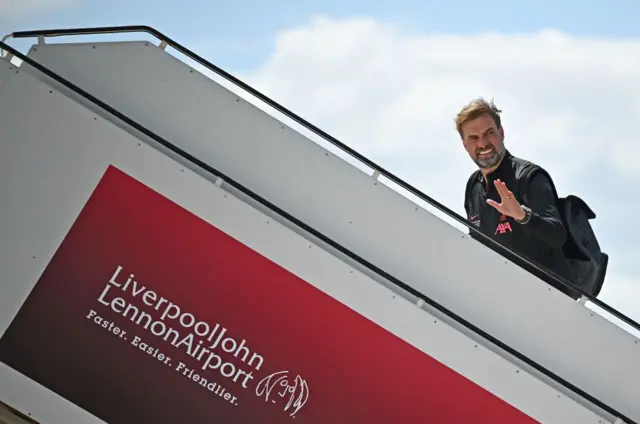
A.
x: 8, y: 417
x: 53, y: 151
x: 374, y: 221
x: 4, y: 76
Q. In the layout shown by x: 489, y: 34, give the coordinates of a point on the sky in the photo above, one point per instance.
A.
x: 387, y: 79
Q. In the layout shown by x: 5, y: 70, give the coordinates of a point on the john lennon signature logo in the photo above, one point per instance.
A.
x: 279, y: 384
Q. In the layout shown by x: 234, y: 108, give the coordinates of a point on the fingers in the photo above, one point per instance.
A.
x: 501, y: 187
x: 503, y: 191
x: 494, y: 204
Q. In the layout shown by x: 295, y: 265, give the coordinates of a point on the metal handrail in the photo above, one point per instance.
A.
x: 437, y: 306
x: 512, y: 255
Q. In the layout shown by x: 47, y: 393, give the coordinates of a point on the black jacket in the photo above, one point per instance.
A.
x: 541, y: 239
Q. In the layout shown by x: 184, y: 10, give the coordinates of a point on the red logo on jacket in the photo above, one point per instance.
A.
x: 503, y: 226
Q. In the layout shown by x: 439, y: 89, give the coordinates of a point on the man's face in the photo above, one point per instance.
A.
x: 484, y: 141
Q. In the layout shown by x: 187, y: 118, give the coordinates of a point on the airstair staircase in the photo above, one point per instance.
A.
x: 173, y: 121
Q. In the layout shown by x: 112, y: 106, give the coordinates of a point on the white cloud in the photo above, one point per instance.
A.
x: 570, y: 104
x: 30, y: 6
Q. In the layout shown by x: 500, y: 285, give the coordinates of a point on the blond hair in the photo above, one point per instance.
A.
x: 475, y: 109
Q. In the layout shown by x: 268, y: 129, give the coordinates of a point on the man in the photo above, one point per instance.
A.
x: 493, y: 203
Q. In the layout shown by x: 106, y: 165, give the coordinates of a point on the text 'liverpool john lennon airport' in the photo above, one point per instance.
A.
x: 202, y: 339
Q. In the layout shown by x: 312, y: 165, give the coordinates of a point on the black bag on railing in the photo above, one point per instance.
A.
x: 581, y: 249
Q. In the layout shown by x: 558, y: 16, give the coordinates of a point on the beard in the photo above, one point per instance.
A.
x: 490, y: 160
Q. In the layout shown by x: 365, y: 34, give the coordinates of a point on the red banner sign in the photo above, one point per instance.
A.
x: 148, y: 314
